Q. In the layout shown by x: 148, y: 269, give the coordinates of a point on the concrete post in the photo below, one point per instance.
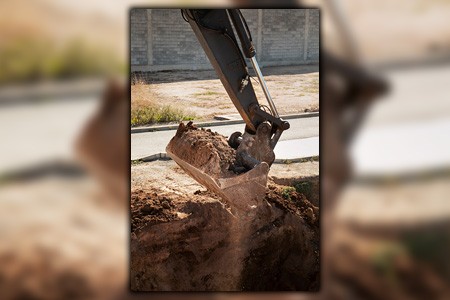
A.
x: 305, y: 37
x: 149, y: 38
x: 259, y: 36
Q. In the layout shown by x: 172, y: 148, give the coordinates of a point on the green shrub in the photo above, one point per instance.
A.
x: 303, y: 187
x: 287, y: 192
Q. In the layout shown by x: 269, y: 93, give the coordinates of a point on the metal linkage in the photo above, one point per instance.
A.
x: 264, y: 86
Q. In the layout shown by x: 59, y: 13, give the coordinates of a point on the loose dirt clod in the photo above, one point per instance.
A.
x: 204, y: 149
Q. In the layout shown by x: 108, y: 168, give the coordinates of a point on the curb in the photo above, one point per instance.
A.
x: 164, y: 156
x: 153, y: 157
x: 296, y: 160
x: 215, y: 123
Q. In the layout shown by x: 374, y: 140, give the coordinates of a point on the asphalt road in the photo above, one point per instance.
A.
x: 149, y: 143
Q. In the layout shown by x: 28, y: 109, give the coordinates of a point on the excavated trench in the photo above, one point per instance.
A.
x: 202, y: 242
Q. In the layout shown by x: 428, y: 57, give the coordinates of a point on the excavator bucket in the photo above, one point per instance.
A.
x: 242, y: 191
x: 192, y: 150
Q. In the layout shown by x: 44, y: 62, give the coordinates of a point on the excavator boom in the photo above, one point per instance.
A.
x: 215, y: 30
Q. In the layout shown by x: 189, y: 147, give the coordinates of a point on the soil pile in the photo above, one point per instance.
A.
x: 150, y: 208
x: 197, y: 244
x: 203, y: 149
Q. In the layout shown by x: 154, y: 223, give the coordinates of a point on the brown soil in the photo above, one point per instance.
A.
x: 150, y: 208
x: 293, y: 202
x: 310, y: 185
x: 204, y: 149
x: 196, y: 241
x: 288, y: 258
x: 157, y: 206
x: 193, y: 243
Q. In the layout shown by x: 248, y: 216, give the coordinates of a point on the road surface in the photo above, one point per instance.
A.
x: 149, y: 143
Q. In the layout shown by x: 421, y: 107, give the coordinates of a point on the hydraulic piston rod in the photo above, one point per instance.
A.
x: 264, y: 86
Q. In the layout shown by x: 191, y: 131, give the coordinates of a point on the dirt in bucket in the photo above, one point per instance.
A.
x: 204, y: 149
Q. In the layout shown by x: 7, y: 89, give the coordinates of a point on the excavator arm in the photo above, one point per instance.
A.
x: 215, y: 29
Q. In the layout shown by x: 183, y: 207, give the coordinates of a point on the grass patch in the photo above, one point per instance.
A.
x: 207, y: 93
x: 146, y: 108
x: 136, y: 162
x: 157, y: 114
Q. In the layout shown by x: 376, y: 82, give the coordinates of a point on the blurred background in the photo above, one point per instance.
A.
x: 64, y: 168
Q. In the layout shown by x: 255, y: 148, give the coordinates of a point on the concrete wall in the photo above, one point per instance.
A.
x: 162, y: 40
